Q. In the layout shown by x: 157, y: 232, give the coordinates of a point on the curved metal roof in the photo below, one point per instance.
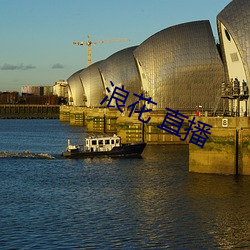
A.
x: 121, y: 69
x: 93, y: 85
x: 236, y: 18
x: 76, y: 90
x: 180, y: 66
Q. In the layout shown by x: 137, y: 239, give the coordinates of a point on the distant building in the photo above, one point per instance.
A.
x: 60, y: 89
x: 30, y: 90
x: 37, y: 90
x: 47, y: 90
x: 40, y: 100
x: 9, y: 97
x: 38, y: 95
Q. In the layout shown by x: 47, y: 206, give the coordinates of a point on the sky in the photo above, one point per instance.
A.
x: 36, y: 35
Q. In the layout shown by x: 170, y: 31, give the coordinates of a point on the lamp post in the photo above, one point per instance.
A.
x: 201, y: 107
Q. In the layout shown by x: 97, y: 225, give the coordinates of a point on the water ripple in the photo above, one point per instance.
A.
x: 26, y: 154
x: 148, y: 203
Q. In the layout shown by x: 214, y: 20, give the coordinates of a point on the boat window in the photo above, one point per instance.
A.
x: 93, y: 142
x: 100, y: 142
x: 112, y: 141
x: 107, y: 142
x: 117, y: 141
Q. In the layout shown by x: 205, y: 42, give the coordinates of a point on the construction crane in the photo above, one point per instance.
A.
x: 89, y: 43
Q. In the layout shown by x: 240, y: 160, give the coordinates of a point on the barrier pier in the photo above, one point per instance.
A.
x: 113, y: 121
x: 227, y: 151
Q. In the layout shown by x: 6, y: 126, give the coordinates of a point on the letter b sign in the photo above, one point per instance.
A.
x: 224, y: 123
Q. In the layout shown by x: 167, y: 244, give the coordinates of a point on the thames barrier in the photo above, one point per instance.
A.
x: 227, y: 151
x: 184, y: 69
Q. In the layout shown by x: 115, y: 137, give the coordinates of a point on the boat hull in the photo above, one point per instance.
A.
x: 126, y: 150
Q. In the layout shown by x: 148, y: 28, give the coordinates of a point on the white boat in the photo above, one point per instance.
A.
x: 96, y: 146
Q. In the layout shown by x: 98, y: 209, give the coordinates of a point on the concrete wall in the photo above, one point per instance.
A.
x: 64, y: 114
x: 113, y: 121
x: 227, y: 151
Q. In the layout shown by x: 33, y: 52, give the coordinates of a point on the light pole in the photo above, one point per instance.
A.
x: 201, y: 107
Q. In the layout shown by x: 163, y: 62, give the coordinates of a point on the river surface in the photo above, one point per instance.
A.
x: 47, y: 202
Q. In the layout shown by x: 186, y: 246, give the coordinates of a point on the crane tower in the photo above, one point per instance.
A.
x: 89, y: 43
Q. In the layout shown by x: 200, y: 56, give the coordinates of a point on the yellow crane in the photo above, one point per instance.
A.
x: 89, y: 43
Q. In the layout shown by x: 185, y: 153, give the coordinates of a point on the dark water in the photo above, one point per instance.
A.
x: 148, y: 203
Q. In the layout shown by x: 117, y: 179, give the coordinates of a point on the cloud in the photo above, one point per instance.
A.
x: 29, y: 67
x: 57, y: 66
x: 7, y: 66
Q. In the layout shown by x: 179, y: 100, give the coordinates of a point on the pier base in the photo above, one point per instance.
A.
x: 112, y: 121
x: 227, y: 151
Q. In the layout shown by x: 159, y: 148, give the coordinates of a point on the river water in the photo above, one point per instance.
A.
x: 151, y: 203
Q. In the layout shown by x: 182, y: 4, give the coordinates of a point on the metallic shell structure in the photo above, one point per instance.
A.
x: 180, y: 67
x: 75, y: 90
x: 93, y: 85
x: 234, y: 33
x: 121, y: 69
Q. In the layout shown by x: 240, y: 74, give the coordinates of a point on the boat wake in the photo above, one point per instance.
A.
x: 26, y: 154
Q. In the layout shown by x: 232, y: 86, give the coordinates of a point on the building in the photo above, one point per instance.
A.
x: 31, y: 90
x: 121, y: 69
x: 60, y: 89
x: 234, y: 33
x: 92, y: 84
x: 37, y: 90
x: 180, y: 67
x: 38, y: 95
x: 76, y: 92
x: 9, y: 97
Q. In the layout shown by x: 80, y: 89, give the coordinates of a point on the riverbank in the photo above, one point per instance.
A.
x: 25, y: 111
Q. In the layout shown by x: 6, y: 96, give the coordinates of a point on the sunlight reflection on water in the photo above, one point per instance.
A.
x: 151, y: 202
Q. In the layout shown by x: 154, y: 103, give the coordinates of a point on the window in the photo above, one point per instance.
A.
x: 94, y: 142
x: 234, y: 57
x: 227, y: 35
x: 112, y: 141
x: 107, y: 142
x: 100, y: 142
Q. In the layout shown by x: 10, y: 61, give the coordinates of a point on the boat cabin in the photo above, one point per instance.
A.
x: 105, y: 143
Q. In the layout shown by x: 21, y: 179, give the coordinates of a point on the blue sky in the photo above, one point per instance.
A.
x: 36, y: 35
